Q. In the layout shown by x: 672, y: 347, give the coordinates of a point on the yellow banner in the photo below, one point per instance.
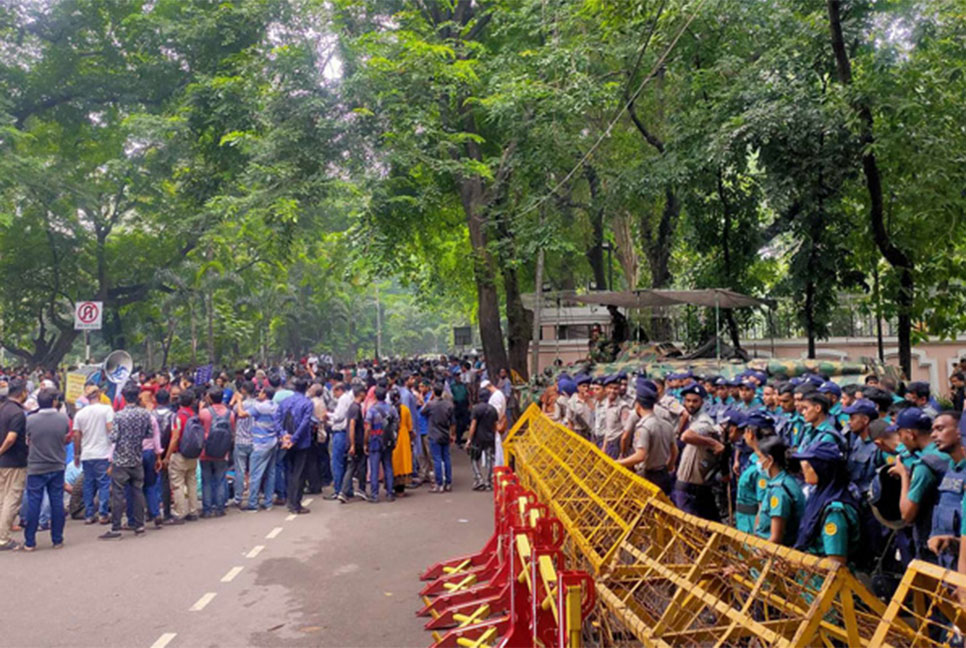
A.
x: 75, y: 387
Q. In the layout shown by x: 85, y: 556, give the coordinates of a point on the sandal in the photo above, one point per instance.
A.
x: 9, y: 545
x: 23, y: 547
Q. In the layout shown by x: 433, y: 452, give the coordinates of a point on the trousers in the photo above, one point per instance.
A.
x: 12, y: 482
x: 121, y: 476
x: 181, y: 473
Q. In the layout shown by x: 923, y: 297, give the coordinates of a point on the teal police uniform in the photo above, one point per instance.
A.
x: 784, y: 499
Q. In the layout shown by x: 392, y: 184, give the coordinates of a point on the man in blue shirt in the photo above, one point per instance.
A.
x: 294, y: 422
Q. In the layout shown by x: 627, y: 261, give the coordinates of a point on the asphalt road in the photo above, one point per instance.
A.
x: 343, y: 575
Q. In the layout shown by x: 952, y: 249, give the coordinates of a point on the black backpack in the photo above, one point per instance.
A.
x: 192, y: 440
x: 218, y: 441
x: 164, y: 418
x: 390, y: 426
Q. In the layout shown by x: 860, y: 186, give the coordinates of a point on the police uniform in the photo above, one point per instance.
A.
x: 581, y: 416
x: 824, y: 432
x: 841, y: 533
x: 612, y: 417
x: 752, y: 485
x: 947, y: 516
x: 784, y: 499
x: 692, y: 494
x: 922, y: 491
x: 861, y: 461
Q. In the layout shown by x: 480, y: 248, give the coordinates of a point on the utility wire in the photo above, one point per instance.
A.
x: 626, y: 106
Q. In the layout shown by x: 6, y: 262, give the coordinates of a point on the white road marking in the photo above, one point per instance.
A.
x: 306, y: 502
x: 255, y: 551
x: 230, y: 576
x: 274, y: 533
x: 291, y: 516
x: 202, y: 602
x: 164, y: 640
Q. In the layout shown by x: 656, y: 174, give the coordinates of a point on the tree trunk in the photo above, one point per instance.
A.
x: 488, y: 309
x: 194, y: 336
x: 626, y: 252
x: 595, y: 253
x: 810, y: 317
x: 726, y: 254
x: 210, y: 316
x: 519, y: 319
x: 896, y: 257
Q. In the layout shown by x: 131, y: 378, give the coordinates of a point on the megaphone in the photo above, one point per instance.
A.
x: 117, y: 367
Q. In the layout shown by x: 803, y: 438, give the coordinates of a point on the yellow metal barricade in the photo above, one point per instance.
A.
x: 667, y: 578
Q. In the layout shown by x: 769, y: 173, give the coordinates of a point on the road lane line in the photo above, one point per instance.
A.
x: 164, y: 640
x: 291, y: 516
x: 274, y: 533
x: 255, y: 551
x: 306, y: 502
x: 230, y: 576
x: 202, y: 602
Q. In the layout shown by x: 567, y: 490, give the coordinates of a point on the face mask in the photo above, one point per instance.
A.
x: 4, y: 392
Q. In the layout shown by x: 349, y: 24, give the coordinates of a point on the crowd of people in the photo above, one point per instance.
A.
x: 136, y: 455
x: 869, y: 474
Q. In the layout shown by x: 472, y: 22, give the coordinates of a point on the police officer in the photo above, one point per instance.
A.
x: 947, y: 515
x: 918, y: 394
x: 612, y: 413
x: 752, y: 483
x: 747, y: 398
x: 580, y: 410
x: 862, y: 450
x: 819, y: 427
x: 702, y: 449
x: 655, y: 452
x: 830, y: 523
x: 784, y: 503
x: 917, y: 472
x: 566, y: 388
x: 834, y: 395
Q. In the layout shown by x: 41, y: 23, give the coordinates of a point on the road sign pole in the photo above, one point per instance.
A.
x: 87, y: 347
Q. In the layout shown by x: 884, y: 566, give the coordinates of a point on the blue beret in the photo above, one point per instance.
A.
x: 567, y: 386
x: 695, y: 388
x: 761, y: 376
x: 913, y: 418
x: 582, y: 379
x: 830, y: 387
x: 733, y: 416
x: 646, y: 397
x: 747, y: 384
x: 826, y: 451
x: 610, y: 380
x: 759, y: 419
x: 862, y: 406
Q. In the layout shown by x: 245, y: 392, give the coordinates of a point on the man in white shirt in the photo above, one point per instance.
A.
x: 338, y: 442
x: 498, y: 401
x: 92, y: 451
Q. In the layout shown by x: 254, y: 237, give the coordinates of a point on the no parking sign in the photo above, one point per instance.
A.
x: 87, y: 315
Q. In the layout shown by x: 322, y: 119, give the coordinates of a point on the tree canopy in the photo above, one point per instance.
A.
x: 251, y: 178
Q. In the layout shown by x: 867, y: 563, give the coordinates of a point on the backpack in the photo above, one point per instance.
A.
x: 390, y: 427
x: 218, y: 441
x: 192, y: 440
x: 164, y: 417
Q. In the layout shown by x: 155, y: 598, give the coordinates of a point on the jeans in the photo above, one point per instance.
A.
x: 243, y: 464
x: 483, y: 467
x: 121, y: 476
x: 262, y: 475
x: 441, y: 462
x: 213, y: 493
x: 355, y: 467
x: 296, y: 461
x: 152, y: 489
x: 379, y: 455
x: 338, y: 446
x: 281, y: 469
x: 52, y: 484
x: 96, y: 478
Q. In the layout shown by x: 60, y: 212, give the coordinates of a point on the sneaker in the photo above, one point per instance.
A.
x: 361, y: 495
x: 90, y: 520
x: 175, y: 521
x: 158, y: 523
x: 110, y: 535
x: 415, y: 484
x: 436, y: 489
x: 139, y: 531
x: 342, y: 498
x: 391, y: 498
x: 448, y: 487
x: 477, y: 487
x: 331, y: 497
x: 191, y: 517
x: 302, y: 511
x: 104, y: 519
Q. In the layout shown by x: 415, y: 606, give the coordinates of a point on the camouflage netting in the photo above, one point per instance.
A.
x: 658, y: 360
